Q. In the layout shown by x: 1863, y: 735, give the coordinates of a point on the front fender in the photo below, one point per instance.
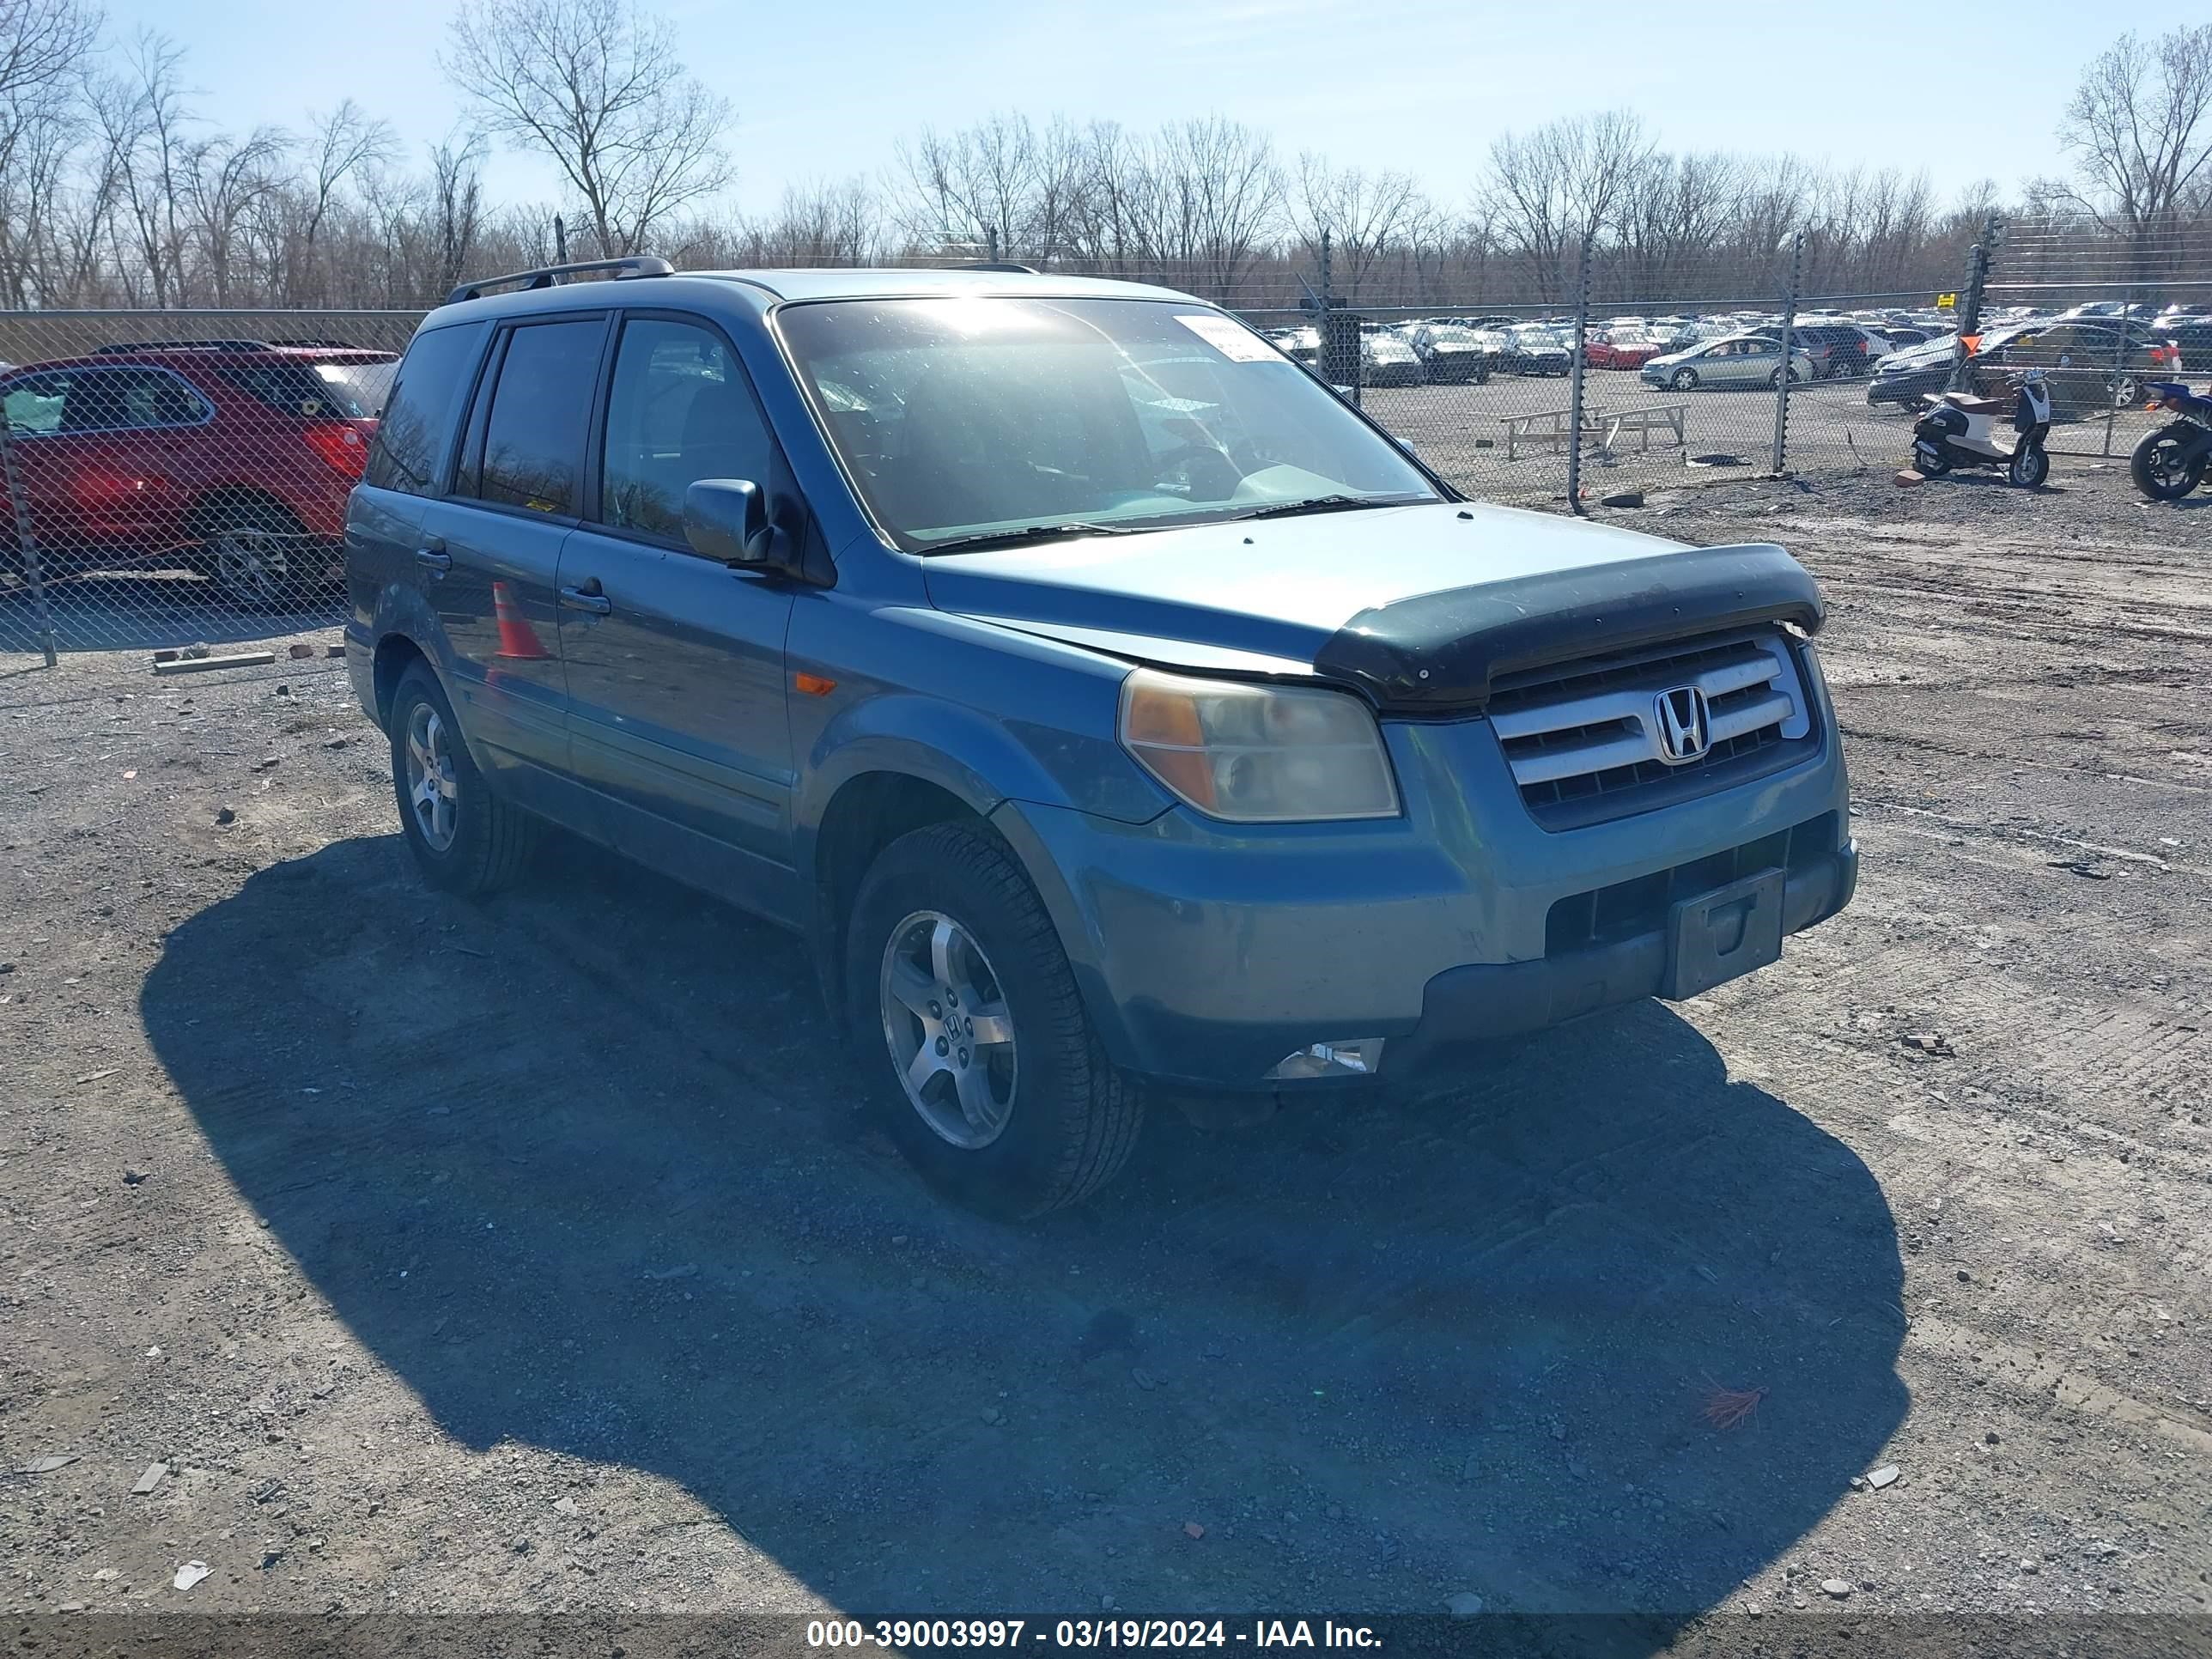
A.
x: 982, y: 759
x: 2195, y: 440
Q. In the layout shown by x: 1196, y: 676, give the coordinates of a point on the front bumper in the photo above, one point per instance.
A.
x: 1207, y: 953
x: 1464, y: 1008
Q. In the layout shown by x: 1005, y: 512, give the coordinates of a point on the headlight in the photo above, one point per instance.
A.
x: 1258, y: 754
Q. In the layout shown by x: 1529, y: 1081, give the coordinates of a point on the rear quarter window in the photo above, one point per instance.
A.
x: 417, y: 431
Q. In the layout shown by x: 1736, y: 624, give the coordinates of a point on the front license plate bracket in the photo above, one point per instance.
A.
x: 1722, y: 934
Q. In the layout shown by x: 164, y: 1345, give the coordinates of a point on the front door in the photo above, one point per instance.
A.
x: 675, y: 662
x: 491, y: 550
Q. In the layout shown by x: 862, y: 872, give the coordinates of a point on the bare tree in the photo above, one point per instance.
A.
x: 1364, y: 214
x: 598, y: 88
x: 342, y: 146
x: 145, y: 129
x: 979, y: 187
x: 2140, y: 136
x: 226, y: 180
x: 456, y: 191
x: 1562, y: 186
x: 42, y: 43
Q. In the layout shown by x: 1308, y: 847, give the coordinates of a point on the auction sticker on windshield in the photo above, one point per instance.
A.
x: 1232, y: 340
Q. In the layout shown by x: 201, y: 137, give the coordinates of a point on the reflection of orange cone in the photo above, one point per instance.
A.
x: 516, y: 637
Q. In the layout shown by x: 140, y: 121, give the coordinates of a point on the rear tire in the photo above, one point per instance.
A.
x: 250, y: 550
x: 465, y: 839
x: 2158, y: 471
x: 1930, y: 461
x: 1051, y: 1120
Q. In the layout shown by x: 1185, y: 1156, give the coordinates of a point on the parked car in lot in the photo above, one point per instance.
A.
x: 1388, y: 358
x: 1114, y: 711
x: 1837, y: 349
x: 1531, y: 349
x: 1906, y: 376
x: 1453, y: 356
x: 1735, y: 359
x: 232, y: 458
x: 1620, y: 346
x: 2092, y: 364
x: 1301, y: 345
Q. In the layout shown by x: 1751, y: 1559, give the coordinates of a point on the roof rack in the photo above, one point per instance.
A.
x: 125, y: 348
x: 637, y: 264
x: 325, y: 343
x: 1006, y: 265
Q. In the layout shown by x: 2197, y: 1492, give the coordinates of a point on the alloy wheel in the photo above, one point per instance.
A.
x: 433, y: 792
x: 949, y: 1032
x: 250, y: 566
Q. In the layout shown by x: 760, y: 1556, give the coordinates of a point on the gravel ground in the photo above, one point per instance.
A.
x: 532, y: 1255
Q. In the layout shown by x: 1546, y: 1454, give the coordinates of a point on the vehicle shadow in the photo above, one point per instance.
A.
x: 150, y: 609
x: 583, y: 1168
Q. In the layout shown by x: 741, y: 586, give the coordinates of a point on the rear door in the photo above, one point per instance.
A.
x: 675, y: 662
x: 491, y: 547
x: 410, y: 461
x: 101, y: 451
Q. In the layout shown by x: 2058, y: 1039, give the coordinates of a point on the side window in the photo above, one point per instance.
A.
x: 679, y: 409
x: 533, y: 446
x: 417, y: 427
x: 118, y: 399
x: 33, y: 404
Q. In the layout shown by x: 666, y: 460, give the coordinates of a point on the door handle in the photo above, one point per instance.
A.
x: 432, y: 556
x: 588, y: 599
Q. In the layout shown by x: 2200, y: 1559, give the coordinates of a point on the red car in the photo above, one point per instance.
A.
x: 1619, y: 348
x: 232, y: 458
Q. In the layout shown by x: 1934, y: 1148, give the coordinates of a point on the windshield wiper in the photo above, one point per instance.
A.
x: 1028, y: 533
x: 1315, y: 504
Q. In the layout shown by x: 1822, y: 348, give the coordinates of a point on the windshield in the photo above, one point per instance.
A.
x: 357, y: 390
x: 956, y: 418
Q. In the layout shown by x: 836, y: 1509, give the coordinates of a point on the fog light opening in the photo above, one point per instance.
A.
x: 1346, y: 1057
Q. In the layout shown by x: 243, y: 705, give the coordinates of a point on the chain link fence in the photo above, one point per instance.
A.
x: 176, y: 478
x: 180, y: 477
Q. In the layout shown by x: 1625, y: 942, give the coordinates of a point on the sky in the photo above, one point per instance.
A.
x: 822, y: 91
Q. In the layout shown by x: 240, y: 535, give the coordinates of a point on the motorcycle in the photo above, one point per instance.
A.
x: 1959, y: 429
x: 2171, y: 461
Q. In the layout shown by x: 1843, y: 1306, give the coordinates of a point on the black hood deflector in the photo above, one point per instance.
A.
x: 1443, y: 651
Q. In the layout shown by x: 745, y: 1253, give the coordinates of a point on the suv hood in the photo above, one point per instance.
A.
x: 1420, y: 605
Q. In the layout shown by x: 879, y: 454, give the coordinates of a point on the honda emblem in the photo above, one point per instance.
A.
x: 1683, y: 725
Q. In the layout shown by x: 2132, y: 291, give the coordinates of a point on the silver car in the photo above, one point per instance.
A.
x: 1736, y: 359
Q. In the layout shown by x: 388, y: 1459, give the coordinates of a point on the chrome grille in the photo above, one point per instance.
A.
x: 1585, y: 741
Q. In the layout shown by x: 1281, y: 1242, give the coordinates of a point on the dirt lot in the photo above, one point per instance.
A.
x: 534, y: 1256
x: 1728, y: 433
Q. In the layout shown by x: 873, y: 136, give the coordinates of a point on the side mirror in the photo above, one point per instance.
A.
x: 726, y: 520
x: 1408, y: 446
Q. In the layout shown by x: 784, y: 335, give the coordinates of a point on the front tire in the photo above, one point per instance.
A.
x: 2162, y: 469
x: 983, y: 1063
x: 2030, y: 466
x: 465, y: 839
x: 1684, y: 379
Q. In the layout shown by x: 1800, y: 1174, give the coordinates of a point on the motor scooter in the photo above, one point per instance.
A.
x: 1957, y: 428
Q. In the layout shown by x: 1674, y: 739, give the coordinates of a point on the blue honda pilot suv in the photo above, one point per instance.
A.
x: 1115, y: 710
